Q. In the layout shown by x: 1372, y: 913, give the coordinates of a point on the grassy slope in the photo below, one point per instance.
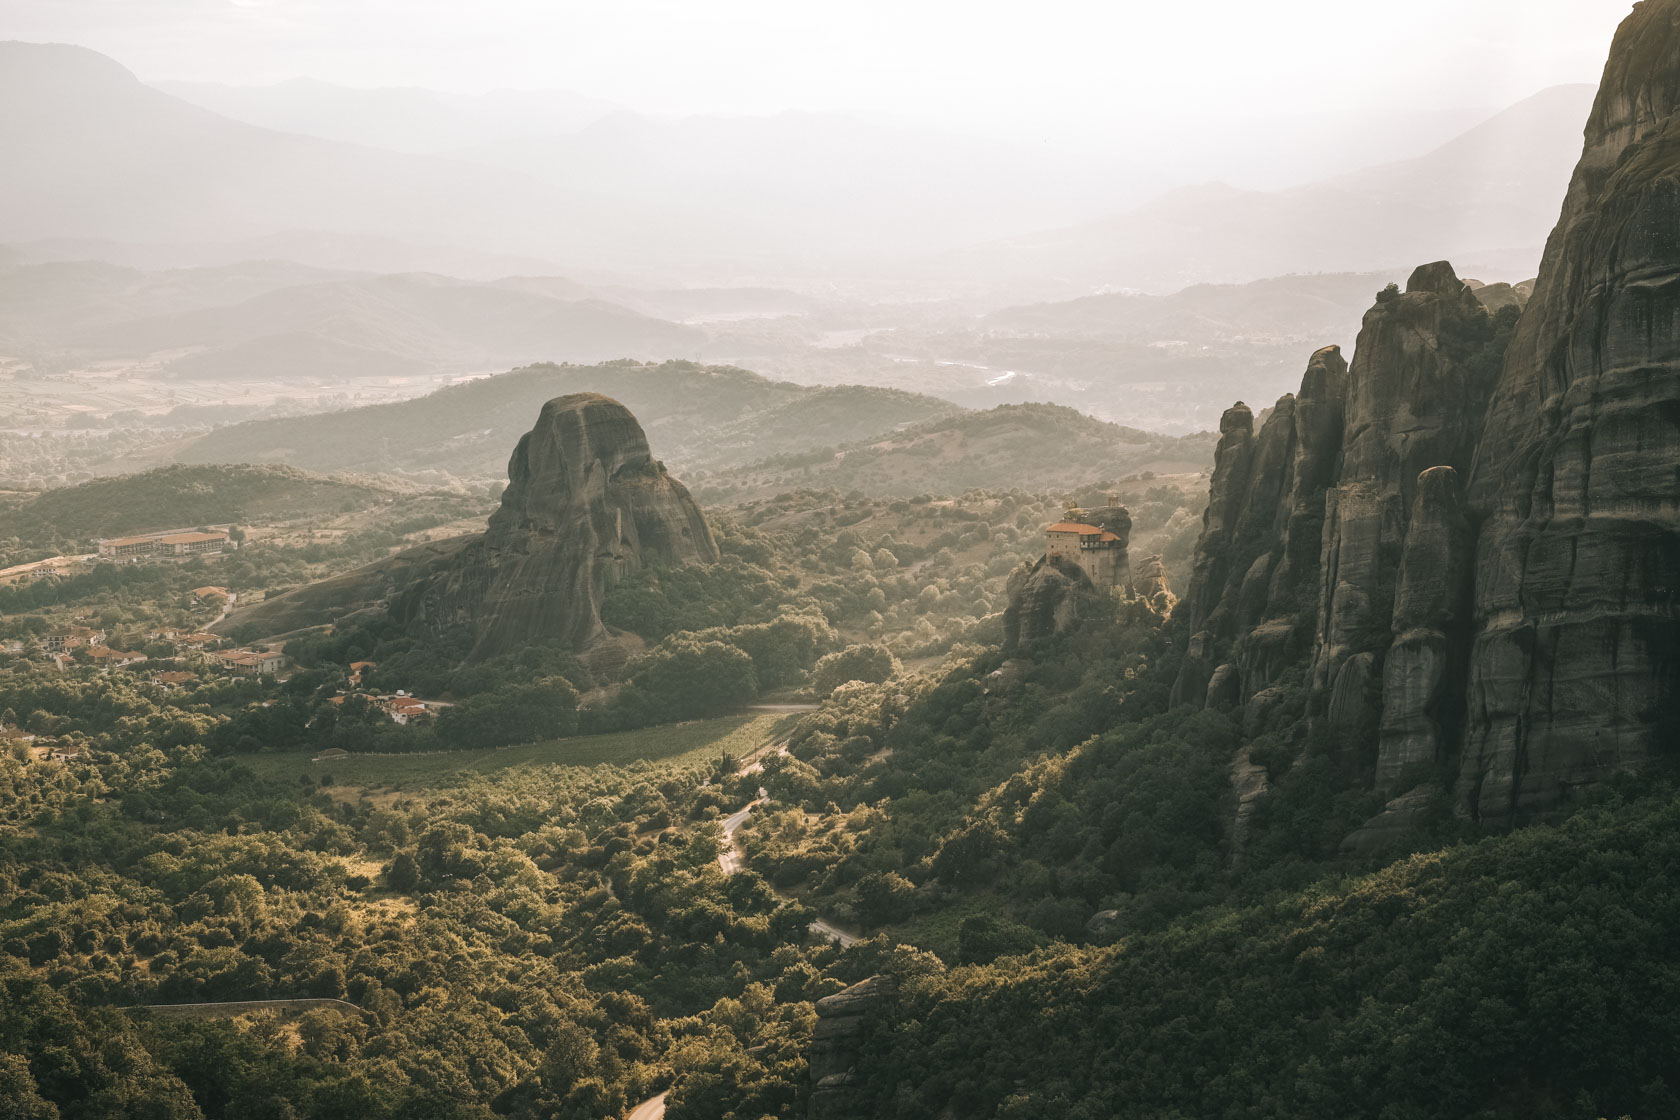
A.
x: 676, y: 745
x: 175, y: 497
x: 1031, y: 446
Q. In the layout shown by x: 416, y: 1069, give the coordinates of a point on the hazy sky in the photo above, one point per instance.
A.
x: 947, y: 60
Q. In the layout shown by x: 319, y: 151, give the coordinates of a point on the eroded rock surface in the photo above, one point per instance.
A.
x: 833, y: 1054
x: 1497, y: 586
x: 1047, y: 598
x: 586, y: 505
x: 1575, y: 672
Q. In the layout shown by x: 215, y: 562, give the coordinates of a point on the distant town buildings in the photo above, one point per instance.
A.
x: 162, y: 546
x: 71, y: 638
x: 20, y: 574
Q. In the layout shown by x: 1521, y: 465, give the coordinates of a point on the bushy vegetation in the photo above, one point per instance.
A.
x: 540, y: 941
x: 181, y: 496
x: 1528, y: 976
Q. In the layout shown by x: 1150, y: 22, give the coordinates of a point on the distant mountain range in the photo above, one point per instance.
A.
x: 1025, y: 446
x: 805, y: 198
x: 404, y: 119
x: 1487, y: 198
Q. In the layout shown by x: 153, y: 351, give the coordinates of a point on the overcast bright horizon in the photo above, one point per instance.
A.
x: 962, y: 64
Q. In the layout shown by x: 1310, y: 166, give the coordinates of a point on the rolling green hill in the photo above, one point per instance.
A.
x: 178, y: 496
x: 715, y: 416
x: 1031, y: 446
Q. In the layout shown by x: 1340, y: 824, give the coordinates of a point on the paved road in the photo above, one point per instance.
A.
x: 730, y: 860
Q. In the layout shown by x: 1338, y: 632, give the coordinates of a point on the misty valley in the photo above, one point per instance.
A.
x: 516, y: 605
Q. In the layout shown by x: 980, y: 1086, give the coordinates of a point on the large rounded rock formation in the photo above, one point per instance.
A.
x: 586, y: 505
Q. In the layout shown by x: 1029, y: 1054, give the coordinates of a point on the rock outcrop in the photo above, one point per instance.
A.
x: 1417, y: 393
x: 1046, y: 599
x: 1256, y: 562
x: 586, y: 505
x: 1423, y: 677
x: 833, y: 1055
x: 1495, y: 601
x: 1052, y: 595
x: 1575, y: 671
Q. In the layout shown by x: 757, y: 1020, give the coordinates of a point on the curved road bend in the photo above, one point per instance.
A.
x: 730, y: 861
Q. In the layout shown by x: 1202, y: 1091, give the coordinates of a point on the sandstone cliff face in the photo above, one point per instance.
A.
x: 1416, y: 399
x: 1256, y: 562
x: 1045, y: 599
x: 1498, y: 578
x: 1423, y: 677
x: 834, y: 1045
x: 1575, y: 671
x: 586, y: 505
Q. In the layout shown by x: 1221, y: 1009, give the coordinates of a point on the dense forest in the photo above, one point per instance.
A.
x: 516, y: 909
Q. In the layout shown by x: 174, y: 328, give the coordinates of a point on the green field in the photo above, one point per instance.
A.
x: 677, y: 745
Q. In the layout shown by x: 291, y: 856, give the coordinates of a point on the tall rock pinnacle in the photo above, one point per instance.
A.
x: 1575, y: 671
x: 586, y: 505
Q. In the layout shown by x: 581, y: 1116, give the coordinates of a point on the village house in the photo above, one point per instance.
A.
x: 10, y: 735
x: 250, y: 662
x: 112, y: 658
x: 71, y: 638
x: 174, y: 678
x: 218, y: 596
x: 357, y: 668
x: 405, y: 709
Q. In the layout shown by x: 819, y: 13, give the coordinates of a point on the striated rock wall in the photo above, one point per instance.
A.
x: 1575, y: 670
x: 1497, y: 587
x: 833, y: 1056
x: 1423, y: 681
x: 1416, y: 399
x: 1047, y: 598
x: 1256, y: 562
x: 586, y: 505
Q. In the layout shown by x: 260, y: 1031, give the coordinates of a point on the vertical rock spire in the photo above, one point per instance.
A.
x: 1575, y: 671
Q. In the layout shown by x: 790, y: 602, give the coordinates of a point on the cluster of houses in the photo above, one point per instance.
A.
x: 39, y: 746
x: 72, y: 645
x: 402, y: 709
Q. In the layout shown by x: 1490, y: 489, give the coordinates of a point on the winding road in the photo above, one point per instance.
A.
x: 730, y: 860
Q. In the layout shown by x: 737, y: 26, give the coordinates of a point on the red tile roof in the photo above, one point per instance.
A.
x: 1074, y: 527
